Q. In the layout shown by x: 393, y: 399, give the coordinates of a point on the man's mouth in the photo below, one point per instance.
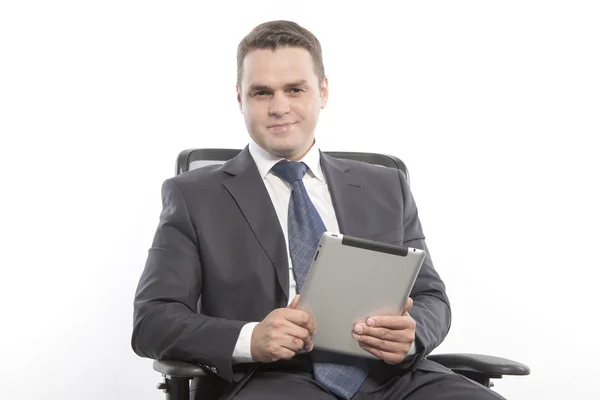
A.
x: 283, y: 127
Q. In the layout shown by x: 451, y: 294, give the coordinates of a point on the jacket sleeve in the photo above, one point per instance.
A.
x: 167, y: 325
x: 431, y: 307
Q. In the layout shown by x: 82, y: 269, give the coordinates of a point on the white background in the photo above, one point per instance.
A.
x: 494, y: 106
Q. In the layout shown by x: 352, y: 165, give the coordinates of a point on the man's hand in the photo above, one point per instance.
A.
x: 282, y: 333
x: 388, y: 337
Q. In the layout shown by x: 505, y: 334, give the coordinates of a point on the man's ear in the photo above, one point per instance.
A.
x: 239, y: 96
x: 324, y: 92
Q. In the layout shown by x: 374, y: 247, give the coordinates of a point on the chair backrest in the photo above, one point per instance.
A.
x: 194, y: 158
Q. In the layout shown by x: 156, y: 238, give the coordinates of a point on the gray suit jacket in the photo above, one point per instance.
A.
x: 219, y: 237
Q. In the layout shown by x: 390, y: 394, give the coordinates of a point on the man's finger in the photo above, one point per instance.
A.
x: 289, y: 348
x: 392, y: 322
x: 308, y: 345
x: 296, y: 331
x: 389, y: 358
x: 311, y: 326
x: 297, y: 317
x: 392, y: 335
x: 301, y: 318
x: 299, y: 333
x: 408, y: 305
x: 381, y: 344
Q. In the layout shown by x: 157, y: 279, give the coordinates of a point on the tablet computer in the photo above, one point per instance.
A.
x: 351, y: 279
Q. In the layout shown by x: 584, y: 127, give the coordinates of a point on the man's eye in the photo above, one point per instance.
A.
x: 261, y: 93
x: 295, y: 90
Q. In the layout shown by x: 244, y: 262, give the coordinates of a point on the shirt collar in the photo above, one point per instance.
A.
x: 265, y: 160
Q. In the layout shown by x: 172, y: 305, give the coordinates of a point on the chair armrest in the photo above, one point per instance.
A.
x: 178, y: 369
x: 481, y: 364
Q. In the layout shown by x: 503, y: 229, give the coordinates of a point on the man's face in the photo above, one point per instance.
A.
x: 281, y: 98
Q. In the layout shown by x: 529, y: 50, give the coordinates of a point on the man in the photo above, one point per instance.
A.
x: 229, y: 235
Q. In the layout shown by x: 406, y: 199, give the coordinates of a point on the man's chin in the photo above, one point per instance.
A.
x: 288, y: 146
x: 282, y: 151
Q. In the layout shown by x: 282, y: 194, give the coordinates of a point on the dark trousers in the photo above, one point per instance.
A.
x: 428, y: 381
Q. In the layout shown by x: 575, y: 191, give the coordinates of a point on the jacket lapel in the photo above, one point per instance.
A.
x: 249, y: 192
x: 349, y: 196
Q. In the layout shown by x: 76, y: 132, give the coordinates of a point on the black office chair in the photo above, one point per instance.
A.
x: 478, y: 367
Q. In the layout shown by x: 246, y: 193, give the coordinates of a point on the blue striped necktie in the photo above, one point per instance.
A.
x: 305, y: 228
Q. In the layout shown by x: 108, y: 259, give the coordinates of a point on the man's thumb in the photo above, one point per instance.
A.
x: 294, y: 302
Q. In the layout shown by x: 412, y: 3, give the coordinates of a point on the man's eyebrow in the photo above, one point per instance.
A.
x: 265, y: 88
x: 259, y: 88
x: 301, y: 82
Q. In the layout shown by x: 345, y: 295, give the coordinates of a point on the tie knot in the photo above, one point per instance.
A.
x: 290, y: 171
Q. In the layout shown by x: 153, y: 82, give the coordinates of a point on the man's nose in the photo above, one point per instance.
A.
x: 280, y: 104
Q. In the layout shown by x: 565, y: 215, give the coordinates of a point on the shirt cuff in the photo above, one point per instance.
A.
x: 412, y: 351
x: 241, y: 352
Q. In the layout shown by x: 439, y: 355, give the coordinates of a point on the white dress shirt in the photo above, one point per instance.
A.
x: 280, y: 192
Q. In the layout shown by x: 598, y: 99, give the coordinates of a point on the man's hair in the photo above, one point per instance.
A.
x: 276, y: 34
